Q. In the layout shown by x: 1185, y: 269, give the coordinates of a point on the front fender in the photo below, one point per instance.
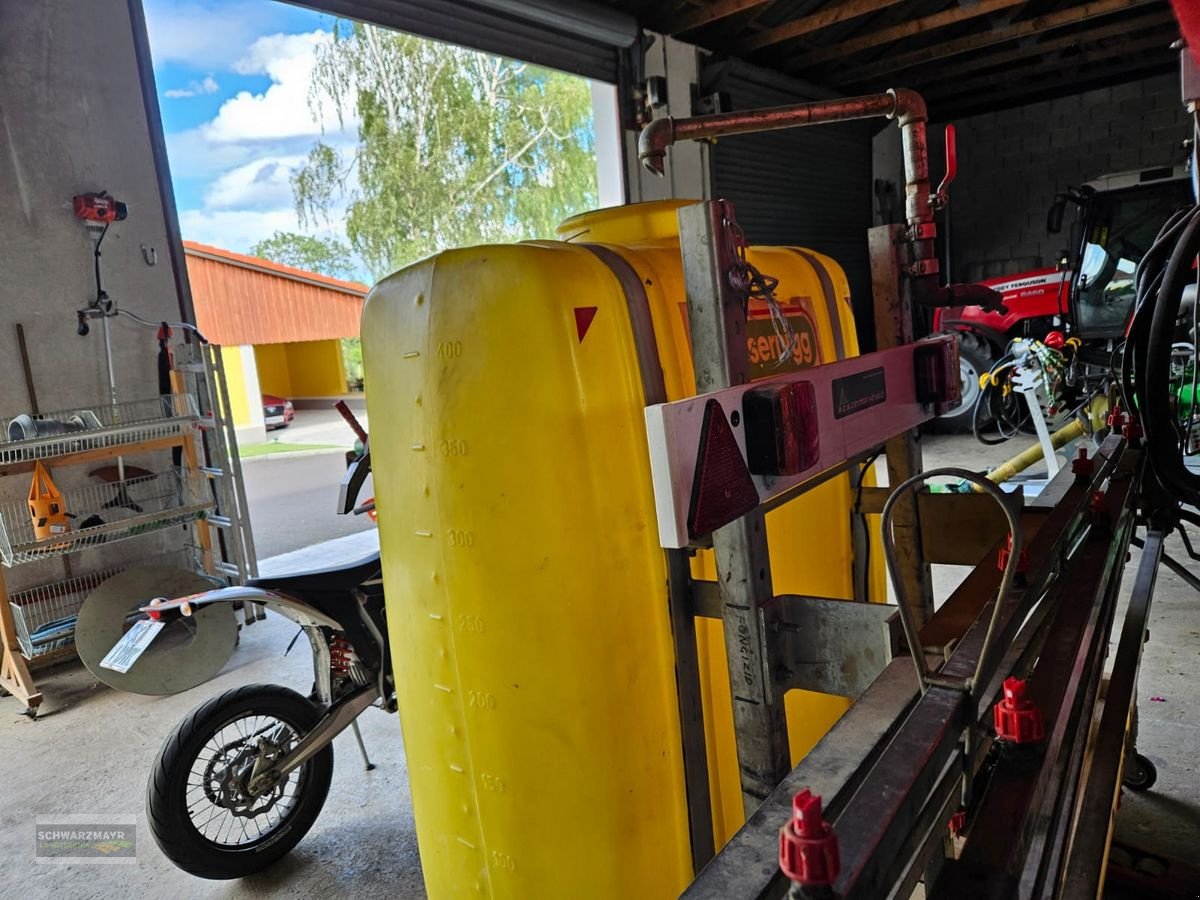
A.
x: 298, y: 611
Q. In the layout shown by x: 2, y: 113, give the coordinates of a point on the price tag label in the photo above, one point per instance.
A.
x: 127, y: 650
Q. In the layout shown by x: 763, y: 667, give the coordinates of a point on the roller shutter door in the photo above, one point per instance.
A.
x: 807, y: 186
x: 582, y: 40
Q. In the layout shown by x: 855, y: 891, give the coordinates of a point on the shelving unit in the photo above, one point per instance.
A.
x: 202, y: 489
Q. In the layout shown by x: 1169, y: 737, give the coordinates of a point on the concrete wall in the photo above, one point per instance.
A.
x: 72, y: 120
x: 301, y: 369
x: 245, y: 395
x: 316, y: 368
x: 687, y: 172
x: 1011, y: 163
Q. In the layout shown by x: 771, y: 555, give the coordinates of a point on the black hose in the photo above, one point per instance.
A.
x: 1152, y: 386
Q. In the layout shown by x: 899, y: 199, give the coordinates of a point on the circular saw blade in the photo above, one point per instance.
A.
x: 187, y: 652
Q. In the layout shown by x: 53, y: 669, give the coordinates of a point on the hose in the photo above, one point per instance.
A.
x: 1152, y: 334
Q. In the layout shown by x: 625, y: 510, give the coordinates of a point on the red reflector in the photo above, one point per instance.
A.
x: 722, y: 488
x: 782, y: 435
x: 938, y: 379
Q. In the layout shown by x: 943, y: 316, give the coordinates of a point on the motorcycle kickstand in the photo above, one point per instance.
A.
x: 362, y: 748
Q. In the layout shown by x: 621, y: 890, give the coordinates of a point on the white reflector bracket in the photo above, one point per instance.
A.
x: 698, y: 457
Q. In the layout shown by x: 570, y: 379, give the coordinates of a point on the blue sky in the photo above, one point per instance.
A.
x: 233, y: 78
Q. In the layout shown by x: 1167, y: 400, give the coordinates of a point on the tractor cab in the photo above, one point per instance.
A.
x: 1118, y: 218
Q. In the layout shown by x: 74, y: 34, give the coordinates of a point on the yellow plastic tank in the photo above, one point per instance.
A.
x: 527, y: 607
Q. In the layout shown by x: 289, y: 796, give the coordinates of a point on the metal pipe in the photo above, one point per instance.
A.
x: 905, y: 106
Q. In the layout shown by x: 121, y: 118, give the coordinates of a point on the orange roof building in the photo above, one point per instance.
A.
x: 280, y: 329
x: 242, y: 299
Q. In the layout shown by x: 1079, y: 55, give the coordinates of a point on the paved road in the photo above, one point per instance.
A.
x: 292, y: 501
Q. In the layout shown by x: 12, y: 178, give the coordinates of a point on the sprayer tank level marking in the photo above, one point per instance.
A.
x: 442, y: 687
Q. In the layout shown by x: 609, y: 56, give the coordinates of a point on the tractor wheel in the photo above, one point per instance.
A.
x: 975, y: 358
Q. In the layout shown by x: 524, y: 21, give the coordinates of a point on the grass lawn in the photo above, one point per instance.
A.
x: 276, y: 446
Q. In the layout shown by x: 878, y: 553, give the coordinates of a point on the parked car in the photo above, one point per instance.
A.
x: 277, y: 411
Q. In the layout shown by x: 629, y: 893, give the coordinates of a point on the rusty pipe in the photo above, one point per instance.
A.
x: 906, y: 106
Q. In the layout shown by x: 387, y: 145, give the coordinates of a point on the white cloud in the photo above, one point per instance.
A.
x: 234, y: 229
x: 205, y: 35
x: 249, y: 150
x: 265, y: 182
x: 195, y: 88
x: 282, y: 110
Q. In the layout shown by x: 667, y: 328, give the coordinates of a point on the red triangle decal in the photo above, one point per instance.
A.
x: 722, y: 489
x: 583, y: 319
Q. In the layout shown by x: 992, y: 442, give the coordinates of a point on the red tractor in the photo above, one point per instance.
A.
x: 1089, y: 295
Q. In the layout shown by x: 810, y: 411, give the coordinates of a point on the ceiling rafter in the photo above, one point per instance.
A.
x: 1071, y: 82
x: 873, y: 39
x: 1052, y: 66
x: 711, y: 12
x: 822, y: 18
x: 987, y: 61
x: 940, y: 52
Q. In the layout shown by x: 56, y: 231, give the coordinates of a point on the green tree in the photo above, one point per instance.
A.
x: 455, y: 147
x: 325, y: 256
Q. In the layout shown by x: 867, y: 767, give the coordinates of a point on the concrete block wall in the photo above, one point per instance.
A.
x: 1012, y: 162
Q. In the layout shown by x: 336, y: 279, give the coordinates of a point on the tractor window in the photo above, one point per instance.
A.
x: 1120, y: 228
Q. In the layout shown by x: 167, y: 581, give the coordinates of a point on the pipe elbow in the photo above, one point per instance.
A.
x: 910, y: 106
x: 653, y: 143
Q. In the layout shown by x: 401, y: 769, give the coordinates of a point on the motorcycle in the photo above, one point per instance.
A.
x: 241, y: 780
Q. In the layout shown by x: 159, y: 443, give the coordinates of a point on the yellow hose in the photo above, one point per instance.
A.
x: 1097, y: 413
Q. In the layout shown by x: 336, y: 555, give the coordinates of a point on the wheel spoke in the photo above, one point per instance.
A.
x: 214, y: 796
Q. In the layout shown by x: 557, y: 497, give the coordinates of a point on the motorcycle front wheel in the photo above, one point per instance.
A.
x: 200, y: 813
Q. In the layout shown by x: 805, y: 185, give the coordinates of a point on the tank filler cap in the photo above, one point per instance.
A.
x: 808, y: 848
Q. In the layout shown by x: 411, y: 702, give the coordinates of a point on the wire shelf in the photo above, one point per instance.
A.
x: 47, y: 435
x: 45, y: 615
x: 105, y: 513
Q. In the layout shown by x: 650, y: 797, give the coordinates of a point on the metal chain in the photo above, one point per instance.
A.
x: 753, y: 284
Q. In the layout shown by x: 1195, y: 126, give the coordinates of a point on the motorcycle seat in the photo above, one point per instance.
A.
x: 340, y: 579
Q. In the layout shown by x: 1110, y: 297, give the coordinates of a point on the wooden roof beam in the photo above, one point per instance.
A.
x: 1025, y: 51
x: 1075, y: 82
x: 921, y: 26
x: 1050, y: 66
x: 833, y: 14
x: 886, y: 68
x: 712, y: 11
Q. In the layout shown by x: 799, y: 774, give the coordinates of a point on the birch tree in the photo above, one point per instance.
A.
x: 455, y: 147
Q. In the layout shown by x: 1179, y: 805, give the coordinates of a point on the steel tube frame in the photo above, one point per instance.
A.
x: 878, y: 795
x: 1084, y: 864
x: 717, y: 324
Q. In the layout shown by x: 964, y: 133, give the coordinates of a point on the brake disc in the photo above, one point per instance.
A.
x: 187, y: 652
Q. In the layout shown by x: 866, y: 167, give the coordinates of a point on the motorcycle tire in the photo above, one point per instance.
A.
x: 167, y: 810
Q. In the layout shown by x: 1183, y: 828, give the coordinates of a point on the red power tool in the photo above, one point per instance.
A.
x: 99, y: 207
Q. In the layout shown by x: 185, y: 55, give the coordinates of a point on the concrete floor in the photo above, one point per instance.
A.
x: 92, y: 748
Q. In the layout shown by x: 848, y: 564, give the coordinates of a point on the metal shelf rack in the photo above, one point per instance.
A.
x: 128, y: 508
x: 27, y: 438
x: 44, y: 616
x: 202, y: 490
